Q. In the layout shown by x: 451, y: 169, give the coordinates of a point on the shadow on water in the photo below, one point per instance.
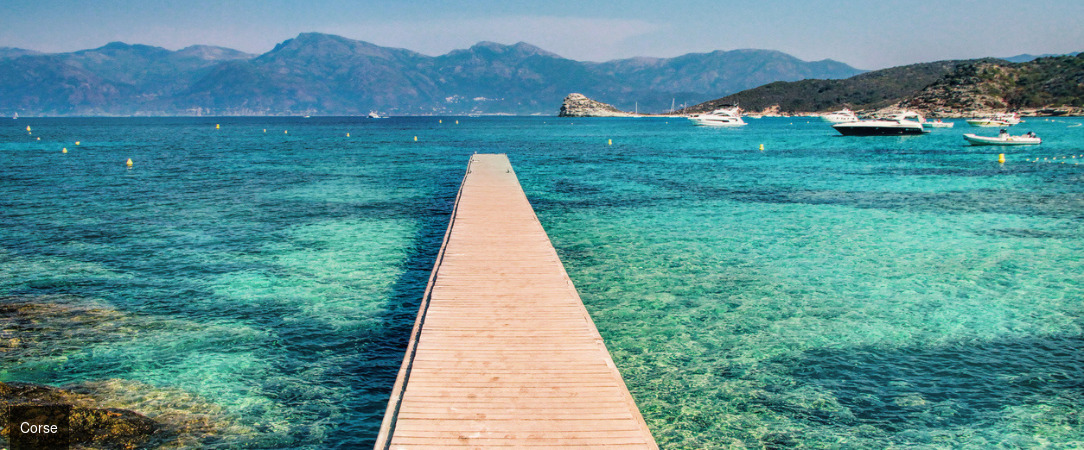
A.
x: 384, y: 345
x: 962, y: 384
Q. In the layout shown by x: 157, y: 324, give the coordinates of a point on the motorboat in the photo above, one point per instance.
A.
x: 843, y: 115
x: 375, y: 115
x: 722, y: 117
x: 937, y: 124
x: 998, y: 120
x: 902, y: 124
x: 1003, y: 138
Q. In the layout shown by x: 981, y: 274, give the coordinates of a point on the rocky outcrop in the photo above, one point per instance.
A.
x: 80, y: 422
x: 578, y: 105
x: 102, y: 413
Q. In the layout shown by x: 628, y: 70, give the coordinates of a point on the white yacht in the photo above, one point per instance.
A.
x: 937, y: 124
x: 722, y: 117
x: 998, y: 120
x: 375, y: 115
x: 904, y: 123
x: 843, y: 115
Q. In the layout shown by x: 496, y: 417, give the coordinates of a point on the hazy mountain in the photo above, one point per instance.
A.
x: 116, y: 78
x: 212, y: 53
x: 47, y: 85
x: 325, y: 74
x: 12, y: 52
x: 720, y: 72
x: 315, y: 73
x: 1025, y: 57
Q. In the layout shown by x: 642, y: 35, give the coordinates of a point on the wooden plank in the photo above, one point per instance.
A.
x: 503, y: 352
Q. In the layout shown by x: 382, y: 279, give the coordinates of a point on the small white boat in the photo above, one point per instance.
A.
x: 375, y: 115
x: 1004, y: 138
x: 843, y: 115
x: 937, y: 124
x: 998, y: 120
x: 902, y: 124
x: 723, y: 117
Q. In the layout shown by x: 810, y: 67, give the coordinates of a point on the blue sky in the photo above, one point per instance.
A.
x: 866, y: 34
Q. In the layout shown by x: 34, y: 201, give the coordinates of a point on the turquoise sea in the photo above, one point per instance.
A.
x: 254, y: 285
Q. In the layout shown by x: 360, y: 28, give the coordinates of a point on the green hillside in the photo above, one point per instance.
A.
x: 870, y: 90
x: 1055, y: 83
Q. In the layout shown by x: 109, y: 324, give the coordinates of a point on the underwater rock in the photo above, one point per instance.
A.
x: 106, y: 413
x: 99, y: 427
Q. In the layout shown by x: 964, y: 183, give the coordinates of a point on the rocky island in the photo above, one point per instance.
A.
x: 578, y: 105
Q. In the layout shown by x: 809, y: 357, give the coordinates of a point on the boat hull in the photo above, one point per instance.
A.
x: 716, y: 122
x: 859, y: 129
x: 989, y: 123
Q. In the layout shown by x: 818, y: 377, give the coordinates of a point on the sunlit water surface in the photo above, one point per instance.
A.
x: 830, y: 291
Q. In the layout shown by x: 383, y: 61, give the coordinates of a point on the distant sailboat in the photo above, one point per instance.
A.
x: 15, y: 117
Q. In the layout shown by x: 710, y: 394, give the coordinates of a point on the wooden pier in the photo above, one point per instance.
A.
x: 503, y: 352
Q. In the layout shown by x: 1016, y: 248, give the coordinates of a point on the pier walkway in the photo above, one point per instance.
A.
x: 503, y: 353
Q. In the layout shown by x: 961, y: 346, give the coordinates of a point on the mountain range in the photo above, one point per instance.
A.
x: 320, y: 74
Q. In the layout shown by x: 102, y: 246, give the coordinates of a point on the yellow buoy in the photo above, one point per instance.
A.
x: 457, y: 122
x: 39, y: 139
x: 265, y: 130
x: 64, y: 150
x: 1001, y: 158
x: 285, y: 131
x: 609, y: 142
x: 28, y: 128
x: 440, y: 121
x: 415, y: 139
x: 347, y: 134
x: 761, y: 147
x: 129, y: 163
x: 76, y: 142
x: 217, y: 126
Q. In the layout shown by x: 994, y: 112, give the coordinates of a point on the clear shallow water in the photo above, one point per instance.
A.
x: 831, y: 291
